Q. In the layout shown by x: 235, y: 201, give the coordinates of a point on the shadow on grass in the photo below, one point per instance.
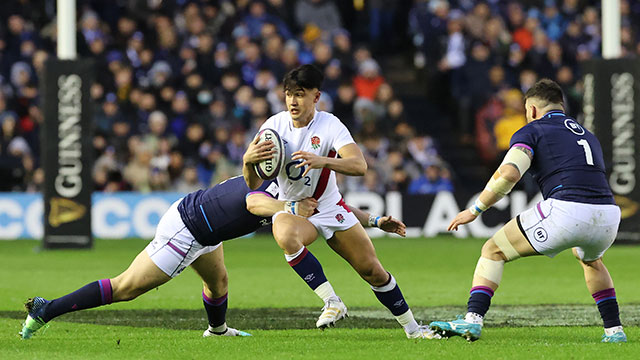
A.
x: 305, y: 318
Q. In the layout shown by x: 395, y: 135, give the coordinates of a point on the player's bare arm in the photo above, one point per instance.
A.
x: 514, y: 165
x: 351, y: 161
x: 263, y: 205
x: 255, y: 153
x: 385, y: 223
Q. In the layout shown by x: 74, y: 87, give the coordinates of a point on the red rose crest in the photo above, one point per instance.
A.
x: 340, y: 218
x: 315, y: 142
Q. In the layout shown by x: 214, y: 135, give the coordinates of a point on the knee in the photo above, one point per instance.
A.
x: 287, y: 236
x: 491, y: 251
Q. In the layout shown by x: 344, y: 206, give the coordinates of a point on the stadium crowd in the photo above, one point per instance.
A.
x: 182, y: 86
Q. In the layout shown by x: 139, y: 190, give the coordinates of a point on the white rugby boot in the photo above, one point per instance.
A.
x: 423, y: 332
x: 334, y: 309
x: 228, y: 332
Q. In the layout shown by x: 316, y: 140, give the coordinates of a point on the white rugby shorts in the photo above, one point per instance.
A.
x: 556, y: 225
x: 330, y: 218
x: 174, y: 248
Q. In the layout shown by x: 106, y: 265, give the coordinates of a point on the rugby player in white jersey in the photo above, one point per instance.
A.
x: 312, y: 139
x: 578, y: 210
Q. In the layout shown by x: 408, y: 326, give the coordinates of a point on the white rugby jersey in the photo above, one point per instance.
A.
x: 324, y: 135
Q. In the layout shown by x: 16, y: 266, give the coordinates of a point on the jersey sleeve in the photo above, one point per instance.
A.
x: 527, y: 136
x: 342, y: 135
x: 269, y: 188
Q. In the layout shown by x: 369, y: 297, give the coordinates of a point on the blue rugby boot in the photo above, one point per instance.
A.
x: 458, y: 327
x: 35, y: 308
x: 618, y: 336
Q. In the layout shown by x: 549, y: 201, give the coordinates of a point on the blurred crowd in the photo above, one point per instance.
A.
x: 183, y: 85
x: 480, y: 57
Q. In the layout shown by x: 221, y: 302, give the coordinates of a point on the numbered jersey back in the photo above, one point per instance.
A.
x: 567, y: 159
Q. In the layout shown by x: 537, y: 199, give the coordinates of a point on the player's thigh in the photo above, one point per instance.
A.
x: 141, y: 276
x: 290, y: 230
x: 596, y: 238
x: 355, y: 246
x: 509, y: 242
x: 211, y: 269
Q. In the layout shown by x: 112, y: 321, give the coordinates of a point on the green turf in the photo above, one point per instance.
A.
x: 265, y: 293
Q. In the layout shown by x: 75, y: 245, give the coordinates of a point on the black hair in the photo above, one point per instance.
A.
x: 546, y: 89
x: 305, y: 76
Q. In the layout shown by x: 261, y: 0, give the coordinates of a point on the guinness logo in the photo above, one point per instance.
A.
x: 64, y: 211
x: 628, y: 207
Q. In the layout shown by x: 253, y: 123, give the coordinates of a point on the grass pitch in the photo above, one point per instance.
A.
x: 542, y: 308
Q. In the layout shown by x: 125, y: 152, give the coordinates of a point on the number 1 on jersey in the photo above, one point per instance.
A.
x: 587, y: 150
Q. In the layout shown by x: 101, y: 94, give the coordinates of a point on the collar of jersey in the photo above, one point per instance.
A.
x: 552, y: 113
x: 315, y: 115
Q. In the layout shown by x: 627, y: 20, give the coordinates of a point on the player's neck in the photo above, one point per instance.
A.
x: 547, y: 109
x: 300, y: 123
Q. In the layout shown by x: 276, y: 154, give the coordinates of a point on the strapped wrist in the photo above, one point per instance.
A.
x: 478, y: 207
x: 291, y: 207
x: 374, y: 221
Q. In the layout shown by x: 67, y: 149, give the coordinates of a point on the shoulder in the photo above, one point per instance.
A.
x: 277, y: 118
x: 327, y: 119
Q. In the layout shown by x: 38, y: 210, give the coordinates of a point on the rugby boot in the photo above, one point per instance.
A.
x: 423, y: 332
x: 459, y: 327
x: 333, y: 310
x: 228, y: 332
x: 35, y: 308
x: 617, y: 337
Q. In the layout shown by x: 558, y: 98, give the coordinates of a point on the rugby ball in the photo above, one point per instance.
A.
x: 270, y: 168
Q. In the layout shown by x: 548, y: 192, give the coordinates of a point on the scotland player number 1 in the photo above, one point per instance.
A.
x: 587, y: 150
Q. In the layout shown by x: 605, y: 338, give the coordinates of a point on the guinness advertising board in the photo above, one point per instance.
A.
x: 611, y: 109
x: 66, y: 153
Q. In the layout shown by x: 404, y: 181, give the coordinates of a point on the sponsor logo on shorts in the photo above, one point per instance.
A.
x: 315, y: 142
x: 309, y: 277
x: 540, y: 234
x: 340, y: 218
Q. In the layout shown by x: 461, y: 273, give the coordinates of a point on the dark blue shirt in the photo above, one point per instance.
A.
x: 567, y: 159
x: 220, y: 213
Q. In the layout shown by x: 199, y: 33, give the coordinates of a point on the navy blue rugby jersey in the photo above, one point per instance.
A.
x: 567, y: 159
x: 220, y: 213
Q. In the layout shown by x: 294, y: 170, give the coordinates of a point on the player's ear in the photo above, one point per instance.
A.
x: 534, y: 111
x: 317, y: 98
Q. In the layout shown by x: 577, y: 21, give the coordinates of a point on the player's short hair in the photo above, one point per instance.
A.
x: 546, y: 90
x: 305, y: 76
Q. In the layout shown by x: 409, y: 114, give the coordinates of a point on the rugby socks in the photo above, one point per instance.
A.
x: 216, y: 312
x: 608, y: 307
x: 92, y: 295
x: 309, y: 269
x: 478, y: 304
x: 391, y: 297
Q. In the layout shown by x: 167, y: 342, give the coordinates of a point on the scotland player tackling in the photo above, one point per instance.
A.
x: 578, y: 210
x: 312, y: 139
x: 190, y: 233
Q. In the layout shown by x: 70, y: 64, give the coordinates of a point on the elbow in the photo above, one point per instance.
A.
x: 361, y: 170
x: 252, y: 204
x: 510, y: 174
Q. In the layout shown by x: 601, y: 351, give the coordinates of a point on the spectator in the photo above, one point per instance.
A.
x: 431, y: 182
x: 322, y: 13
